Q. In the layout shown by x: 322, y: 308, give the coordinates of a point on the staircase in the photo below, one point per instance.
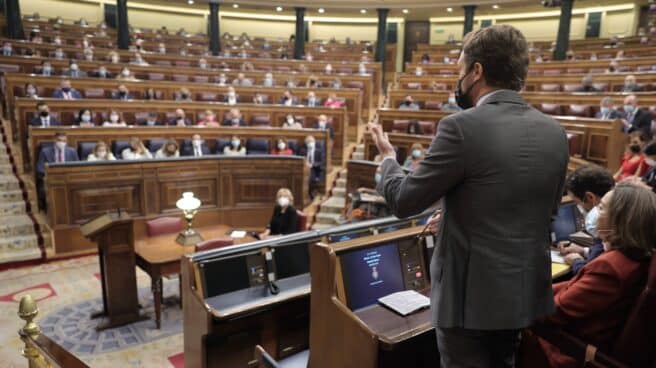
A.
x: 18, y: 237
x: 359, y: 152
x: 331, y: 209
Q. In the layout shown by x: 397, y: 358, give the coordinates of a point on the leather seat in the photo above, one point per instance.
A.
x: 140, y: 117
x: 201, y: 78
x: 163, y: 62
x: 154, y: 144
x: 552, y: 72
x: 293, y: 145
x: 94, y: 93
x: 572, y: 87
x: 584, y: 111
x: 164, y: 225
x: 551, y: 109
x: 84, y: 149
x: 550, y: 87
x: 428, y: 127
x: 180, y: 78
x: 261, y: 120
x: 413, y: 85
x: 433, y: 105
x: 118, y: 147
x: 207, y: 96
x: 400, y: 126
x: 156, y: 76
x: 222, y: 143
x: 355, y: 84
x: 344, y: 70
x: 182, y: 63
x: 301, y: 223
x: 257, y: 146
x: 214, y: 244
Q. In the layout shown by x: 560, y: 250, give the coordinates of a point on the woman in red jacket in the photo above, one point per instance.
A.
x: 596, y: 302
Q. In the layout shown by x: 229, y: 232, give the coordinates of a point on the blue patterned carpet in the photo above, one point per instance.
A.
x: 72, y: 328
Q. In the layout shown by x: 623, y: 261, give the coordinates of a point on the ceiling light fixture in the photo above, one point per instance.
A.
x: 363, y: 11
x: 495, y: 6
x: 405, y: 11
x: 235, y: 6
x: 321, y: 10
x: 279, y: 8
x: 449, y: 10
x: 190, y: 2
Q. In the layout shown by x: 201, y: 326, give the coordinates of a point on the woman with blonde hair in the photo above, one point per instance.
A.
x: 284, y: 219
x: 101, y: 153
x: 168, y: 150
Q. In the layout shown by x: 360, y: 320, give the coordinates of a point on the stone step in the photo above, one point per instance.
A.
x: 4, y: 157
x: 14, y: 195
x: 8, y: 183
x: 328, y: 218
x: 333, y: 205
x: 6, y: 169
x: 358, y: 155
x: 16, y: 226
x: 359, y: 148
x: 16, y: 255
x: 12, y: 208
x: 339, y: 192
x: 340, y: 183
x: 17, y: 243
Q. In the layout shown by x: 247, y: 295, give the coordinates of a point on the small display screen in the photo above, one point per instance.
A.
x: 566, y: 223
x: 225, y: 275
x: 336, y: 238
x: 291, y: 260
x: 371, y: 273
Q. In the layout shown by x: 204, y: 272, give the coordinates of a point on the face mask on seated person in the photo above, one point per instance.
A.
x: 604, y: 110
x: 60, y: 145
x: 290, y: 121
x: 113, y: 118
x: 86, y: 118
x: 591, y: 221
x: 31, y: 91
x: 236, y: 143
x: 197, y: 143
x: 281, y: 146
x: 44, y: 114
x: 310, y: 146
x: 322, y: 124
x: 629, y: 109
x: 634, y: 148
x: 416, y: 153
x: 101, y: 154
x: 283, y: 201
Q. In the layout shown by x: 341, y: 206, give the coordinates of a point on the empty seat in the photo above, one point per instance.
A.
x: 182, y: 63
x: 222, y: 143
x: 601, y: 86
x: 447, y: 71
x: 84, y: 149
x: 344, y: 70
x: 164, y: 225
x: 644, y: 68
x: 301, y: 223
x: 156, y: 76
x: 207, y: 96
x: 572, y: 87
x: 551, y: 72
x: 257, y: 146
x: 575, y: 70
x: 551, y: 109
x: 550, y: 87
x: 428, y: 127
x: 94, y: 93
x: 574, y: 142
x: 579, y: 110
x: 214, y: 244
x: 433, y: 105
x: 140, y: 117
x: 180, y: 78
x: 9, y: 68
x: 163, y: 62
x: 414, y: 85
x: 400, y: 126
x: 293, y: 145
x: 283, y: 68
x: 355, y: 84
x: 201, y: 78
x: 439, y: 86
x: 118, y: 147
x: 155, y: 144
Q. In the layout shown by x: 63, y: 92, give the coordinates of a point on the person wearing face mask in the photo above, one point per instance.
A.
x: 222, y: 79
x: 362, y: 69
x: 85, y: 118
x: 336, y: 83
x: 101, y: 153
x: 281, y: 148
x: 60, y: 152
x: 46, y: 69
x: 74, y: 71
x: 235, y: 148
x: 115, y: 119
x: 284, y: 219
x: 633, y: 162
x: 268, y: 80
x: 88, y: 54
x: 587, y: 84
x: 136, y: 150
x: 415, y: 157
x: 311, y: 100
x: 31, y: 91
x: 59, y: 54
x: 287, y: 99
x: 168, y: 150
x: 480, y: 159
x: 291, y: 123
x: 44, y: 119
x: 231, y: 97
x: 179, y: 118
x: 312, y: 82
x: 57, y: 41
x: 607, y: 110
x: 322, y: 124
x: 419, y: 71
x: 315, y: 159
x: 594, y: 305
x: 138, y: 60
x: 126, y: 75
x: 113, y: 57
x: 7, y: 49
x: 122, y: 93
x: 66, y: 92
x: 102, y: 72
x: 328, y: 69
x: 209, y: 120
x: 183, y: 95
x: 408, y: 104
x: 586, y: 186
x: 636, y: 119
x: 195, y: 147
x: 650, y: 177
x: 241, y: 80
x: 151, y: 120
x: 259, y: 99
x: 630, y: 84
x: 202, y: 63
x: 234, y: 119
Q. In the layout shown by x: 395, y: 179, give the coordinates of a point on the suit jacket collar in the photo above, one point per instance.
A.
x: 503, y: 95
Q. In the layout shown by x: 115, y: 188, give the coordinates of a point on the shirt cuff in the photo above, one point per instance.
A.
x: 586, y: 252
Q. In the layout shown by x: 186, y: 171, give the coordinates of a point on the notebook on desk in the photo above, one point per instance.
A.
x: 405, y: 302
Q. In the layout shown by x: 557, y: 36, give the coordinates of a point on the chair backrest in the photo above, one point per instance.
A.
x: 264, y: 360
x: 155, y: 144
x: 635, y: 346
x: 214, y: 244
x: 84, y: 149
x: 400, y: 126
x: 164, y: 225
x: 207, y: 96
x: 222, y: 143
x: 261, y: 119
x: 163, y: 62
x: 180, y: 77
x: 201, y: 78
x: 427, y: 127
x: 94, y: 93
x: 156, y: 76
x: 433, y: 105
x: 255, y: 146
x: 293, y: 145
x: 551, y: 109
x: 579, y: 110
x: 550, y: 87
x: 572, y: 87
x: 118, y: 147
x: 301, y: 223
x: 354, y: 84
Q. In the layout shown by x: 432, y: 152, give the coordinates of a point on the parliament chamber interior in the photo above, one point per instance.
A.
x: 202, y: 183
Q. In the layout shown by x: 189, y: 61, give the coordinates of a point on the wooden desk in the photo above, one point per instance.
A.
x: 160, y: 256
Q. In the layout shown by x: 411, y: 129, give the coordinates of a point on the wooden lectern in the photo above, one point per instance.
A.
x: 115, y: 238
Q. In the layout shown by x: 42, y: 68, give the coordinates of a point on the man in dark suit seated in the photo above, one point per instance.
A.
x: 44, y: 119
x: 57, y: 153
x: 234, y: 119
x: 499, y: 181
x: 630, y: 84
x: 636, y: 119
x: 587, y: 84
x: 102, y: 72
x: 197, y: 147
x: 311, y: 100
x: 180, y: 118
x: 231, y: 97
x: 122, y: 93
x: 315, y: 159
x: 151, y: 120
x: 586, y: 186
x: 322, y: 124
x: 607, y: 110
x: 73, y: 71
x: 66, y: 92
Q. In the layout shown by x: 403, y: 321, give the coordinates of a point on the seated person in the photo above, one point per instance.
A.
x: 66, y: 92
x: 291, y: 83
x: 332, y: 101
x: 30, y: 91
x: 291, y: 123
x: 414, y: 128
x: 613, y: 67
x: 259, y: 99
x: 586, y: 186
x: 115, y: 119
x: 138, y: 60
x: 180, y: 118
x: 415, y: 157
x: 587, y: 84
x: 126, y: 74
x: 408, y: 104
x: 362, y: 69
x: 151, y: 120
x: 234, y: 119
x: 150, y: 95
x: 59, y: 54
x: 313, y: 82
x: 85, y: 118
x: 336, y: 83
x: 136, y: 151
x: 314, y: 158
x: 241, y: 80
x: 113, y: 57
x: 630, y: 84
x: 311, y: 100
x: 209, y: 120
x: 322, y: 124
x: 594, y: 305
x: 235, y: 148
x: 57, y: 153
x: 367, y: 203
x: 282, y: 148
x: 650, y: 159
x: 231, y: 98
x: 7, y: 49
x: 197, y: 148
x: 287, y: 99
x: 633, y: 162
x: 419, y: 71
x: 102, y: 72
x: 101, y: 153
x: 44, y: 119
x: 636, y: 119
x: 425, y: 58
x: 122, y: 93
x: 222, y: 80
x: 284, y: 219
x: 168, y: 150
x: 73, y: 70
x: 607, y: 110
x: 268, y: 80
x: 183, y: 95
x: 46, y: 68
x: 202, y: 63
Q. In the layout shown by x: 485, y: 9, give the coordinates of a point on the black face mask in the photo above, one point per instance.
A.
x: 634, y: 148
x: 463, y: 99
x: 44, y: 113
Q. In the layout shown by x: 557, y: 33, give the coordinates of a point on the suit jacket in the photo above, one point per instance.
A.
x: 188, y: 150
x: 595, y: 251
x: 613, y: 114
x: 641, y: 122
x: 317, y: 102
x: 69, y: 73
x: 317, y: 166
x: 48, y: 155
x: 116, y: 96
x: 108, y: 74
x: 145, y: 123
x: 329, y: 128
x: 650, y: 178
x: 60, y: 94
x: 36, y: 121
x: 499, y: 170
x: 228, y: 122
x: 173, y: 121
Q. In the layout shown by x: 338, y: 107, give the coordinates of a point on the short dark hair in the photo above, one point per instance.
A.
x: 650, y: 149
x: 41, y: 103
x: 502, y: 51
x: 590, y: 178
x: 60, y: 134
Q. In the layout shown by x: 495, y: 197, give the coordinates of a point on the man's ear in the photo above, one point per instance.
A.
x: 477, y: 71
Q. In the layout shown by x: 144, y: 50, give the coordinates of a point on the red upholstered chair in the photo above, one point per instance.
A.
x: 164, y: 225
x: 355, y: 84
x: 433, y: 105
x: 584, y: 111
x: 301, y: 223
x: 596, y: 70
x: 575, y: 70
x: 551, y: 109
x: 413, y: 85
x: 214, y: 244
x: 182, y: 63
x: 201, y: 78
x: 428, y: 127
x: 644, y: 68
x: 400, y: 126
x: 94, y: 93
x: 344, y: 70
x: 601, y: 86
x: 550, y: 87
x: 574, y: 143
x: 551, y: 72
x: 571, y: 87
x: 156, y: 76
x: 207, y: 96
x: 261, y: 120
x: 180, y: 78
x: 283, y: 68
x: 534, y: 72
x: 439, y: 86
x: 163, y: 62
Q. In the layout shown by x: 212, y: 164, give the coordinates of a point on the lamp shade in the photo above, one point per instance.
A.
x: 188, y: 202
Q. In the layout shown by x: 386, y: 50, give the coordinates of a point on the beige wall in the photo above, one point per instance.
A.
x: 173, y: 21
x: 258, y: 27
x: 69, y: 10
x: 356, y: 31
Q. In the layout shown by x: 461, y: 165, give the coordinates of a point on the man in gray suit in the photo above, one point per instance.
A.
x: 499, y: 167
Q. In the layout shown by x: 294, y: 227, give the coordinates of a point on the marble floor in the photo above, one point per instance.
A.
x: 64, y: 291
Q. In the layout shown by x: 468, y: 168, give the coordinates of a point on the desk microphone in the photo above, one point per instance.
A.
x: 271, y: 276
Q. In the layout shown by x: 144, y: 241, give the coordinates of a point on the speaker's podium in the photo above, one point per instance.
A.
x: 114, y: 235
x: 348, y: 327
